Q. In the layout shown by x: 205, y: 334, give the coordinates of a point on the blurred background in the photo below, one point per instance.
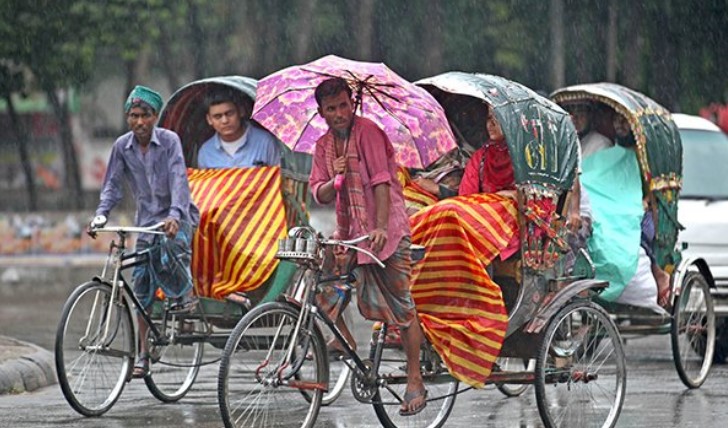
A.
x: 66, y: 66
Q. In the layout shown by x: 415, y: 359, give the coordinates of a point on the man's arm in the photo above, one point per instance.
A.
x: 321, y: 184
x: 112, y: 190
x: 378, y: 236
x: 574, y: 216
x: 376, y: 151
x: 179, y: 186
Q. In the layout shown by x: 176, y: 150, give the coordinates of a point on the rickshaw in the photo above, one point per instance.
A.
x: 96, y: 342
x: 549, y: 315
x: 691, y: 322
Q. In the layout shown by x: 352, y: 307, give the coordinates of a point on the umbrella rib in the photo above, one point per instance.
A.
x: 258, y: 108
x: 303, y: 131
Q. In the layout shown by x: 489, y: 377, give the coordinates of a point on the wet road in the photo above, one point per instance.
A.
x: 655, y: 395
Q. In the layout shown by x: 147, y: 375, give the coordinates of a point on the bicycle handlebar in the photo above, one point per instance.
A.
x: 308, y: 233
x: 153, y: 229
x: 351, y: 243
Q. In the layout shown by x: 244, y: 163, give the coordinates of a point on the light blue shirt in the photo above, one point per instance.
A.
x: 259, y: 148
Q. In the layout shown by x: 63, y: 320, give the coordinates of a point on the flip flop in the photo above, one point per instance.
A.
x: 141, y: 368
x: 408, y: 397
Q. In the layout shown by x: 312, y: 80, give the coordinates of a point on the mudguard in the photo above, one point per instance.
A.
x: 678, y: 276
x: 559, y: 300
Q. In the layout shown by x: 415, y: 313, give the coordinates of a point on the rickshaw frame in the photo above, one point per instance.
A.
x: 659, y: 155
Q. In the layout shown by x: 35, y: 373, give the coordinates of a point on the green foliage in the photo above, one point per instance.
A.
x: 66, y: 42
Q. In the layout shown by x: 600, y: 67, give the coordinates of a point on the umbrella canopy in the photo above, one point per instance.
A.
x: 413, y: 120
x: 541, y: 137
x: 185, y: 111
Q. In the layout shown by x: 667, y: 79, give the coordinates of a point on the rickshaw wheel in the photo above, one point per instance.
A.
x: 254, y: 388
x: 581, y: 372
x: 442, y: 389
x: 693, y: 330
x: 92, y: 372
x: 175, y: 365
x: 514, y: 364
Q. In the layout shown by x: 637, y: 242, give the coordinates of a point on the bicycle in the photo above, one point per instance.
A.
x: 275, y: 362
x: 97, y: 337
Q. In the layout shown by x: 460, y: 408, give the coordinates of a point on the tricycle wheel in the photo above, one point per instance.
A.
x: 258, y: 385
x: 580, y: 369
x: 693, y: 330
x: 175, y: 364
x: 94, y: 348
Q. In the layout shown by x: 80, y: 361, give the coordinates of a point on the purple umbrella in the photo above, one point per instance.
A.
x: 409, y: 115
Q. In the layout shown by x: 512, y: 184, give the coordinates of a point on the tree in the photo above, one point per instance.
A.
x: 556, y: 23
x: 51, y: 41
x: 12, y: 82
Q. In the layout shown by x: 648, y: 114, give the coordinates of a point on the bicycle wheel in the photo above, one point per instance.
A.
x: 94, y: 349
x: 693, y: 330
x: 581, y: 373
x: 387, y: 397
x: 174, y: 365
x: 514, y: 365
x: 256, y: 387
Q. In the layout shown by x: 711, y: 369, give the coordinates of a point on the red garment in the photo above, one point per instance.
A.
x: 497, y: 170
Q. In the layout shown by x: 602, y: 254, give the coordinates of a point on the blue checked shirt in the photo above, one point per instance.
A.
x: 158, y: 179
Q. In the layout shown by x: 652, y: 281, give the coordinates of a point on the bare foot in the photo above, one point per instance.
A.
x: 663, y: 286
x: 240, y: 299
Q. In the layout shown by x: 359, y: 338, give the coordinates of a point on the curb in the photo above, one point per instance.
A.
x: 29, y: 367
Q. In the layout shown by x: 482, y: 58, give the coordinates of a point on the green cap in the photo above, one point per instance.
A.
x: 144, y: 95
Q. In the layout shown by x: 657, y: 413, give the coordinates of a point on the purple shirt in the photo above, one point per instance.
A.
x: 377, y: 166
x: 158, y: 179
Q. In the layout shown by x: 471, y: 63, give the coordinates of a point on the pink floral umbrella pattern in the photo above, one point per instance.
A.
x: 412, y: 119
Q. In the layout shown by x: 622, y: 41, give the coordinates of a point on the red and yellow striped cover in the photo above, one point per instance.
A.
x: 461, y: 308
x: 415, y: 197
x: 242, y: 217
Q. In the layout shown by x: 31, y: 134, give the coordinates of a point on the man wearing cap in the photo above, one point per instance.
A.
x: 150, y: 161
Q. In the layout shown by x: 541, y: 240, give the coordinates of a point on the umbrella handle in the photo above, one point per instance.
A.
x: 339, y: 182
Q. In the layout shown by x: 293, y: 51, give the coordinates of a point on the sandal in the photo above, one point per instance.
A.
x: 409, y: 397
x: 141, y: 368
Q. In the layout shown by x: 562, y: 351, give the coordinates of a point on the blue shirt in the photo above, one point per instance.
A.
x: 158, y: 179
x: 259, y: 148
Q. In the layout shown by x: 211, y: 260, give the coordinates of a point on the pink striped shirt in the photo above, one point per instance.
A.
x: 376, y: 159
